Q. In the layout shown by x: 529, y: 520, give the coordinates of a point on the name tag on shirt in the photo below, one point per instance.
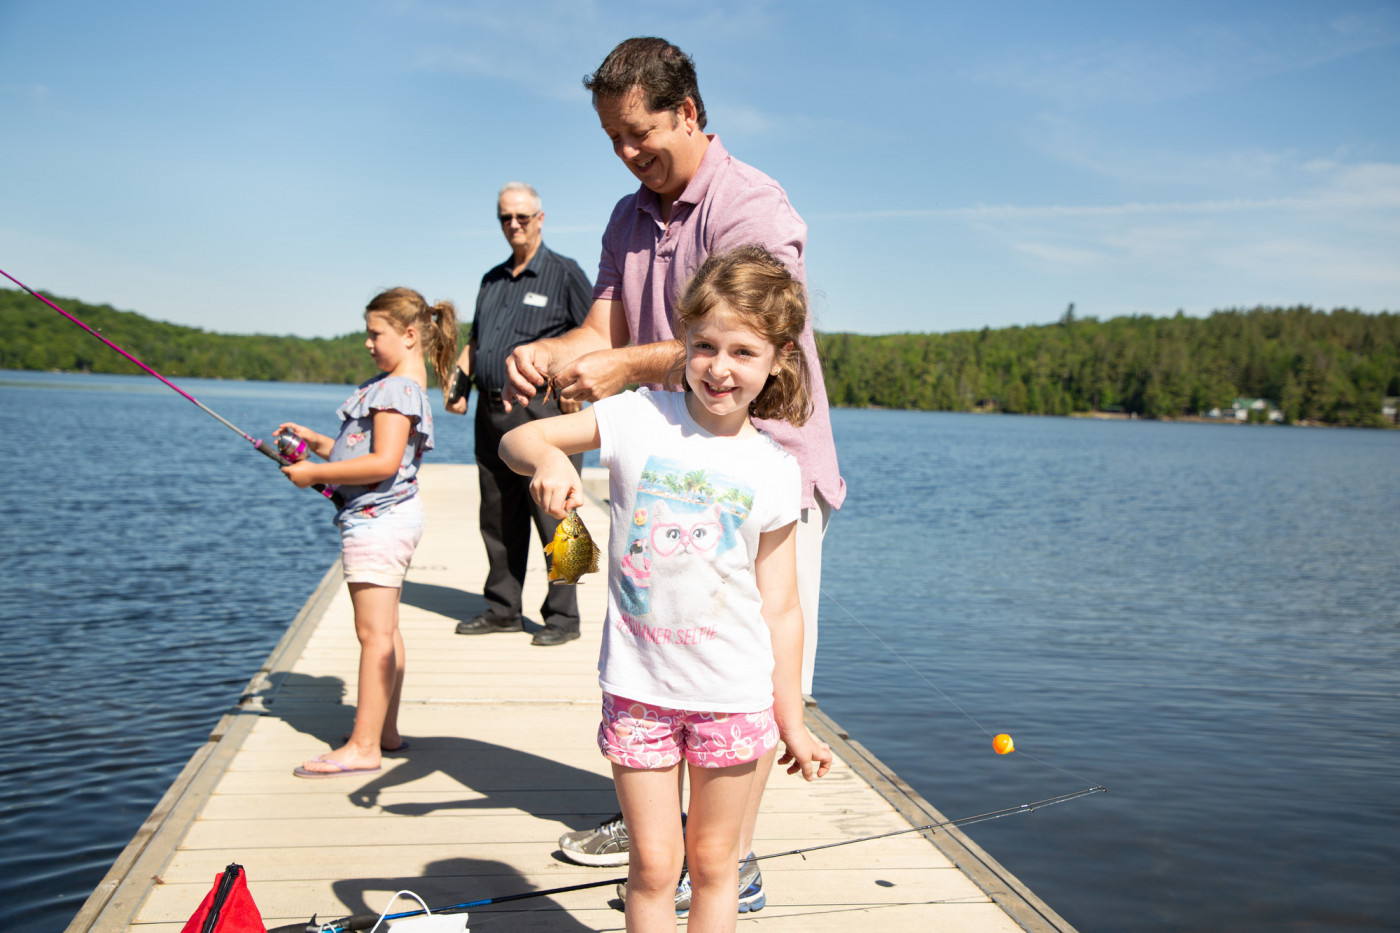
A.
x: 536, y: 300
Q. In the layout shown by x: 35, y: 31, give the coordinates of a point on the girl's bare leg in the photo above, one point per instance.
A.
x: 381, y: 671
x: 763, y: 772
x: 389, y: 735
x: 656, y: 847
x: 718, y: 807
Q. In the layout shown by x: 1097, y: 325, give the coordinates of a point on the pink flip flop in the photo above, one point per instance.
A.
x: 341, y: 770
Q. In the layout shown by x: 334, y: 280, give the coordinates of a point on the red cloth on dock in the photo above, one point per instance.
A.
x: 231, y: 905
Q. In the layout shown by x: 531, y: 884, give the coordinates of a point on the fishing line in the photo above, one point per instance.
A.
x: 941, y: 824
x: 919, y: 674
x: 261, y: 446
x: 364, y: 921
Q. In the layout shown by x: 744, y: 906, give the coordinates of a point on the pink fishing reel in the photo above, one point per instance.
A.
x: 291, y: 447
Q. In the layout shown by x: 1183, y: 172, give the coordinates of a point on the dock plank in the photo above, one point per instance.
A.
x: 502, y: 761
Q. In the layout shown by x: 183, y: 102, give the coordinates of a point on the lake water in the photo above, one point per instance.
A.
x: 1205, y: 619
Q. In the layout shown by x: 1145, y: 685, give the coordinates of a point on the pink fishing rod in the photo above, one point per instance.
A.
x: 263, y: 447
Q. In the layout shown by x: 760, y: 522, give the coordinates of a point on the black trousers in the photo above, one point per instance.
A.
x: 506, y: 513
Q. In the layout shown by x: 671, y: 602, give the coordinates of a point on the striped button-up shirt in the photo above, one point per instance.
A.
x: 550, y: 296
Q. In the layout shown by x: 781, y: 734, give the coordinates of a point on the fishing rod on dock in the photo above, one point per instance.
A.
x: 366, y: 921
x: 287, y: 447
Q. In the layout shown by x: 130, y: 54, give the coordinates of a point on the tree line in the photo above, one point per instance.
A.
x: 1316, y: 366
x: 1328, y: 367
x: 33, y: 336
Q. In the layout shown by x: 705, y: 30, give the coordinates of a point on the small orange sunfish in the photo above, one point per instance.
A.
x: 572, y: 553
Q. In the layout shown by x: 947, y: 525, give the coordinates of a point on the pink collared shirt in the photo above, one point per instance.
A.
x: 646, y: 263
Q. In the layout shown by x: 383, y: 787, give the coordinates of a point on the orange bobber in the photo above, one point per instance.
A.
x: 1003, y: 744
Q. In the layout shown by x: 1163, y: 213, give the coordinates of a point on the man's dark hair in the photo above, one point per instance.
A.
x: 665, y: 74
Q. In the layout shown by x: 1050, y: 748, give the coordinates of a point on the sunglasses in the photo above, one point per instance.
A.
x: 521, y: 219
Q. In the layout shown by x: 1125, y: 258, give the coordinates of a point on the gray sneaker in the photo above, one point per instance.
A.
x: 605, y: 844
x: 751, y: 896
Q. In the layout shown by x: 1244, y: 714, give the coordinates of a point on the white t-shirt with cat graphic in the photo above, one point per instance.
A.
x: 684, y: 627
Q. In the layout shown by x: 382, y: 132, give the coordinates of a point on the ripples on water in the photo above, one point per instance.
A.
x: 152, y: 561
x: 1202, y: 618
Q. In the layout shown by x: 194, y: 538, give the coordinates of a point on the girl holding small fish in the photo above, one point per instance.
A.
x: 702, y: 649
x: 385, y: 428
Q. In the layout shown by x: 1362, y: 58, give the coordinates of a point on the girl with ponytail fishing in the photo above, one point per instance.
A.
x: 702, y: 648
x: 385, y: 428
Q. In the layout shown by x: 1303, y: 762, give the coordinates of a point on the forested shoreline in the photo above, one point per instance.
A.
x: 1327, y: 367
x: 35, y: 337
x: 1332, y: 367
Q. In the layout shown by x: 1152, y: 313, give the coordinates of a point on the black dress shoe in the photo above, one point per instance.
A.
x: 549, y: 637
x: 486, y: 625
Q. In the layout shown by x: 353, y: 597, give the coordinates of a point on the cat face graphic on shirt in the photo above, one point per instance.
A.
x: 688, y: 564
x: 681, y: 550
x: 679, y: 539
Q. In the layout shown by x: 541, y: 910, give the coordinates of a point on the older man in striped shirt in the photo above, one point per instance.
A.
x: 534, y: 294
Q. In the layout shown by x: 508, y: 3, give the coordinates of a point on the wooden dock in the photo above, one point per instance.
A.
x: 502, y: 762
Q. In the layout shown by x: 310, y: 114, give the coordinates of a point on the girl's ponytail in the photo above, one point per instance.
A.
x: 443, y: 344
x: 436, y: 323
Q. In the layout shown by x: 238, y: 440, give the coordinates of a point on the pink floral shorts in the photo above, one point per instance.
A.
x: 642, y: 735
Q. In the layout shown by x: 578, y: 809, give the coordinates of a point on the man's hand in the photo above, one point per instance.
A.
x: 591, y: 377
x: 527, y: 371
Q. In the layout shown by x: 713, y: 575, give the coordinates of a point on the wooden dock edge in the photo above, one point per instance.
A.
x: 114, y: 902
x: 116, y: 899
x: 1018, y: 901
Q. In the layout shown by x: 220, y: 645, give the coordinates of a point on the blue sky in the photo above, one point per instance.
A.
x: 268, y: 167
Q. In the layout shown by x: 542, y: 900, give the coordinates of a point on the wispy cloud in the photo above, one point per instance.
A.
x: 1202, y: 57
x: 1372, y: 187
x: 534, y: 46
x: 1338, y: 236
x: 1081, y: 145
x: 1307, y: 258
x: 738, y: 118
x: 735, y: 119
x: 547, y: 81
x: 35, y: 93
x: 989, y: 212
x: 1061, y: 255
x: 538, y: 46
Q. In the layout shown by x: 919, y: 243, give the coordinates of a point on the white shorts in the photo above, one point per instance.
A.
x: 378, y: 550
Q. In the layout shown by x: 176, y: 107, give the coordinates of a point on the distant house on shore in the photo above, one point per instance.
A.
x: 1389, y: 406
x: 1242, y: 406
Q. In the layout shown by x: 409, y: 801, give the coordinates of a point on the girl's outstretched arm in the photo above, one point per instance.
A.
x: 541, y: 449
x: 391, y: 431
x: 776, y: 572
x: 316, y: 442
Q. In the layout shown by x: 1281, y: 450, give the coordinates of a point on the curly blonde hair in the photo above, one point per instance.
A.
x: 753, y: 286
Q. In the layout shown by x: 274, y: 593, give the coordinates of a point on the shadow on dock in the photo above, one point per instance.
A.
x: 459, y: 881
x: 457, y: 605
x: 498, y: 776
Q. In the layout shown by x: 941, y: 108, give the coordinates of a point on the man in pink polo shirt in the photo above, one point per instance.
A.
x: 695, y: 199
